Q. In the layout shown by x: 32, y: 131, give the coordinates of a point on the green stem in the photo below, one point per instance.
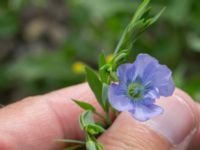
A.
x: 109, y: 121
x: 99, y: 115
x: 121, y: 41
x: 70, y: 141
x: 106, y: 118
x: 74, y: 147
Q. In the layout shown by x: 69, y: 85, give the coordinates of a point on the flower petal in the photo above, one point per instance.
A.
x: 152, y: 93
x: 142, y: 62
x: 145, y: 112
x: 161, y: 79
x: 167, y: 88
x: 118, y: 99
x: 149, y: 71
x: 121, y: 72
x: 148, y: 101
x: 131, y: 73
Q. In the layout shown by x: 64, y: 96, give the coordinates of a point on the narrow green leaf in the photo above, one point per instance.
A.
x: 94, y: 129
x: 85, y: 119
x: 139, y: 23
x: 120, y: 57
x: 95, y: 84
x: 87, y: 124
x: 139, y: 12
x: 102, y: 60
x: 104, y: 73
x: 130, y: 28
x: 155, y: 18
x: 90, y: 137
x: 74, y: 147
x: 146, y: 14
x: 105, y: 96
x: 121, y: 41
x: 70, y: 141
x: 102, y: 68
x: 85, y: 105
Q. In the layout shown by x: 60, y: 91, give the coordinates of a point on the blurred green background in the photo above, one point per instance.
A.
x: 44, y: 44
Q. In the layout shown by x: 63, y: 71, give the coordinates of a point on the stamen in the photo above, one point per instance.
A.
x: 136, y: 91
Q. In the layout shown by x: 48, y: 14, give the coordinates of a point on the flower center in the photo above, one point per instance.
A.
x: 136, y: 91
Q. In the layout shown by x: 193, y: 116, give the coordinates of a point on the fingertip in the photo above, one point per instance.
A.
x: 127, y: 133
x: 195, y: 142
x: 192, y: 105
x: 174, y: 129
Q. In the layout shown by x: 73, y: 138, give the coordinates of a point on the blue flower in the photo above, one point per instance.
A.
x: 140, y: 84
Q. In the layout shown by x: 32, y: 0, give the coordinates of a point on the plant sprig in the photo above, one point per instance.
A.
x: 141, y: 20
x: 99, y: 81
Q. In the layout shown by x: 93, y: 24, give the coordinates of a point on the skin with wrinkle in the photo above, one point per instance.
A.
x: 34, y: 123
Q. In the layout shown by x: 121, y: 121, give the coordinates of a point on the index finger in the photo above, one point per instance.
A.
x: 35, y: 122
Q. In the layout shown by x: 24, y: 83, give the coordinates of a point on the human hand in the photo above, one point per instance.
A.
x: 36, y: 122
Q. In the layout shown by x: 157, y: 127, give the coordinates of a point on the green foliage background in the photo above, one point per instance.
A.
x: 40, y: 40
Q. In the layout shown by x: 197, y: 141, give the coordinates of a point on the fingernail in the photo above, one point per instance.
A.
x: 177, y: 121
x: 186, y: 142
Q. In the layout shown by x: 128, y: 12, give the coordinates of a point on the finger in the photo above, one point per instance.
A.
x: 172, y: 130
x: 67, y: 111
x: 35, y: 123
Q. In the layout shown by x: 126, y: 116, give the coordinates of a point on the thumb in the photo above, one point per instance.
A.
x: 174, y: 129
